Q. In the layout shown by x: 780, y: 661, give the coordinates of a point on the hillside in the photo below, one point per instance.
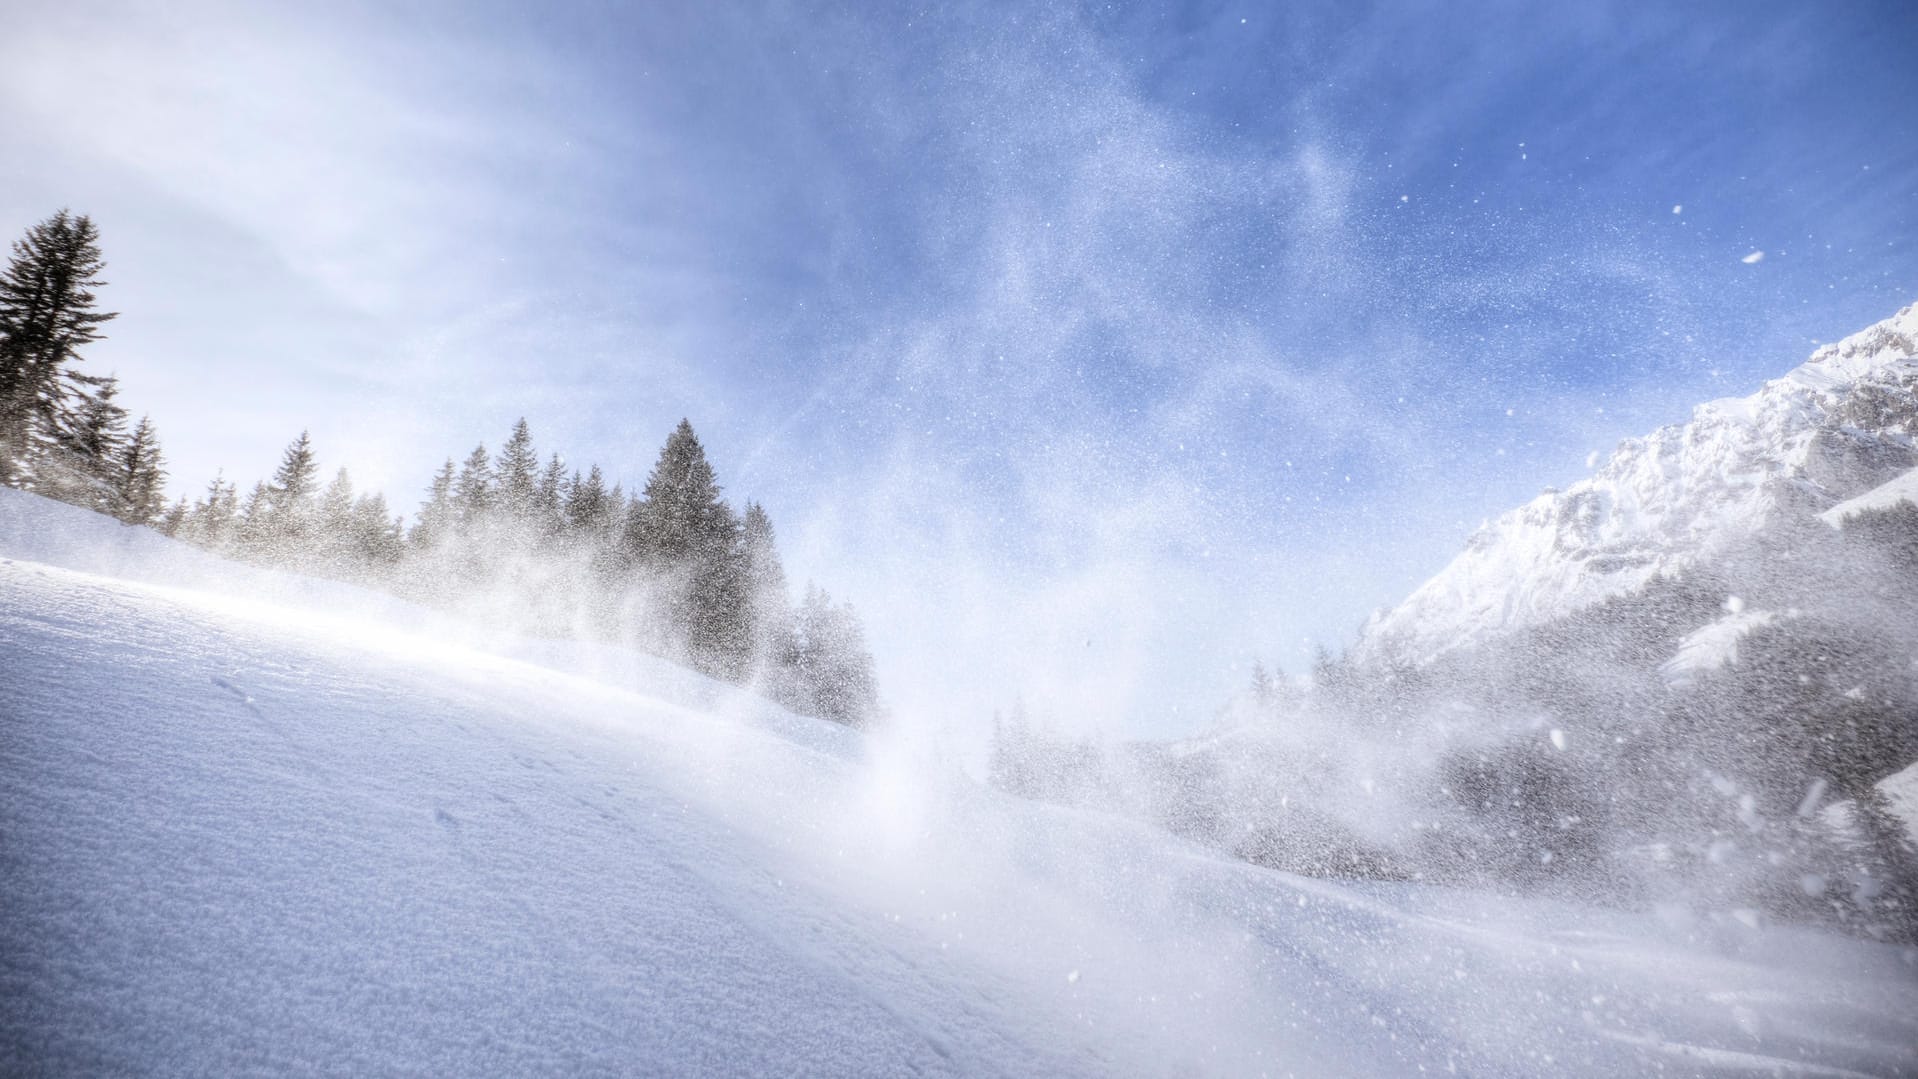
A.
x: 249, y: 826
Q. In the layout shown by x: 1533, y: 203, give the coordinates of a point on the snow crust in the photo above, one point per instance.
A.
x: 252, y: 828
x: 1658, y: 504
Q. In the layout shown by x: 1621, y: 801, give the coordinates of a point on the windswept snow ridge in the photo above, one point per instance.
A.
x: 239, y: 838
x: 1838, y: 426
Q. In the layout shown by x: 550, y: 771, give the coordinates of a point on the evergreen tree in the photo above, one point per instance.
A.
x: 78, y: 466
x: 435, y: 520
x: 140, y: 478
x: 1263, y: 692
x: 828, y: 669
x: 254, y: 530
x: 47, y: 313
x: 375, y: 535
x: 473, y: 490
x: 170, y: 522
x: 547, y: 496
x: 333, y: 537
x: 516, y: 474
x: 295, y: 480
x: 588, y: 508
x: 214, y: 520
x: 688, y: 541
x: 769, y: 615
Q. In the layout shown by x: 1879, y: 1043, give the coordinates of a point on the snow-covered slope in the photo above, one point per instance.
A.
x: 241, y: 836
x: 1834, y: 428
x: 1900, y: 488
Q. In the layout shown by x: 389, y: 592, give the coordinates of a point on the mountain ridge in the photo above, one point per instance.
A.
x: 1834, y: 428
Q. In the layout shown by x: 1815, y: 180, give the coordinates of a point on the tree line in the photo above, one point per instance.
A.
x: 506, y: 538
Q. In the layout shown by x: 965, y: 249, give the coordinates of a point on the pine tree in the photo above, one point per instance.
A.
x: 547, y: 496
x: 769, y: 614
x: 517, y: 475
x: 375, y: 535
x: 253, y: 528
x: 333, y: 522
x: 170, y: 522
x: 140, y: 478
x: 296, y: 478
x: 435, y: 521
x: 588, y: 509
x: 214, y: 519
x: 688, y: 541
x: 1263, y: 692
x: 47, y: 314
x: 827, y: 667
x: 473, y: 490
x: 78, y: 464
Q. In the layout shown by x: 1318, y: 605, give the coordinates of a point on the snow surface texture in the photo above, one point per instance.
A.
x: 1799, y: 445
x: 243, y: 832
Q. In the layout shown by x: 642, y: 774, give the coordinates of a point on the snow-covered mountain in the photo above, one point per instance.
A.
x: 1835, y: 428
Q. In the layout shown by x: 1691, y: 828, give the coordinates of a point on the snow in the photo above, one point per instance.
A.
x: 280, y: 826
x: 1664, y: 502
x: 1715, y: 644
x: 1903, y: 488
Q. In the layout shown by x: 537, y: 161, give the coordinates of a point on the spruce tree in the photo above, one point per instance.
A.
x: 139, y: 476
x: 214, y: 519
x: 171, y: 521
x: 295, y: 480
x: 588, y: 508
x: 516, y: 474
x: 434, y: 523
x: 78, y: 464
x: 827, y: 669
x: 333, y: 538
x: 47, y: 313
x: 547, y: 496
x: 768, y: 609
x: 688, y: 540
x: 473, y: 490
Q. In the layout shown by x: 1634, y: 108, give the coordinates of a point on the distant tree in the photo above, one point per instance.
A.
x: 333, y: 525
x: 768, y: 612
x: 375, y: 534
x: 169, y: 522
x: 548, y: 494
x: 516, y: 475
x: 688, y: 542
x: 139, y: 478
x: 213, y: 521
x: 588, y: 509
x: 828, y: 668
x: 47, y: 313
x: 473, y: 490
x: 1264, y: 692
x: 296, y: 480
x: 254, y: 529
x: 435, y: 521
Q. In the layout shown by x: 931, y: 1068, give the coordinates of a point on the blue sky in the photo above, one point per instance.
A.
x: 1090, y: 351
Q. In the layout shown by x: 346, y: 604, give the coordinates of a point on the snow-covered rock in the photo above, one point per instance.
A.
x: 1838, y: 426
x: 1714, y: 644
x: 1902, y: 488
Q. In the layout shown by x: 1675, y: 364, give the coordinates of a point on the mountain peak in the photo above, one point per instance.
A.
x: 1837, y: 426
